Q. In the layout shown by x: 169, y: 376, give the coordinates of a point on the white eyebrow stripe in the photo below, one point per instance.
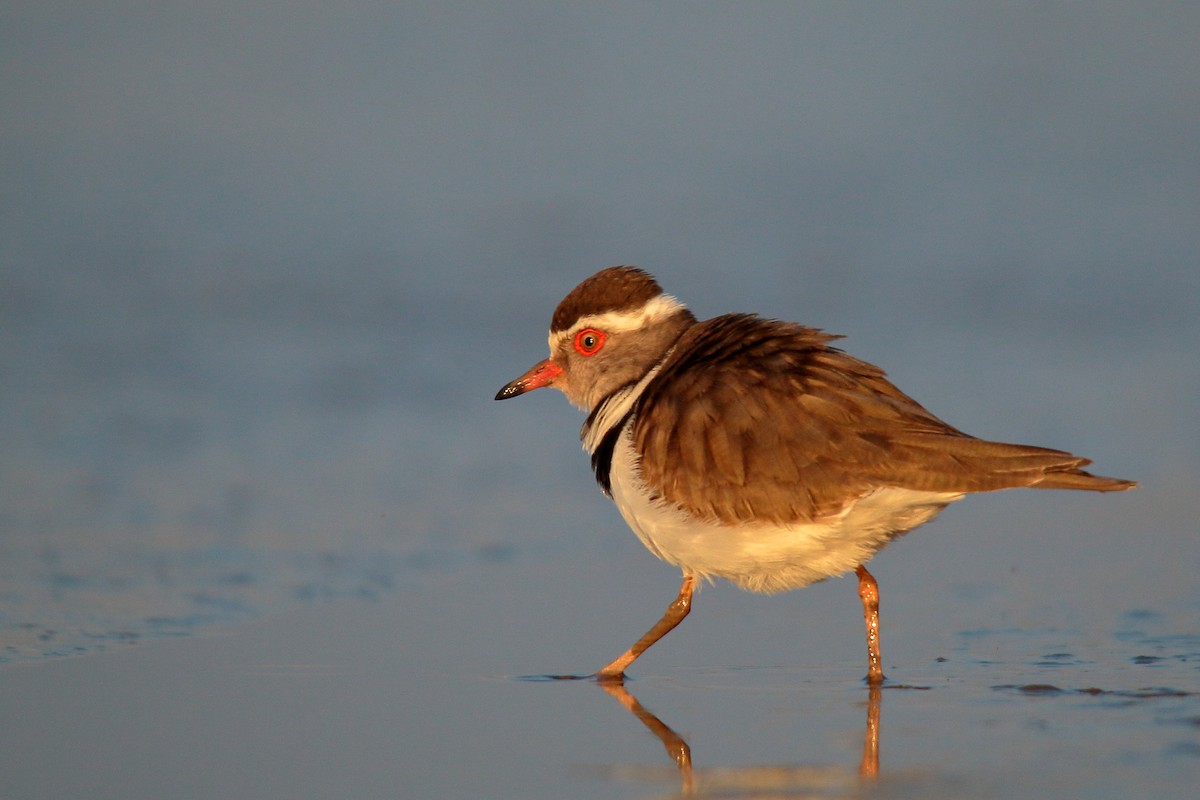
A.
x: 654, y: 309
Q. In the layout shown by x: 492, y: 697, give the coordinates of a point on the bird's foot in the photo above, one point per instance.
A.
x: 607, y: 676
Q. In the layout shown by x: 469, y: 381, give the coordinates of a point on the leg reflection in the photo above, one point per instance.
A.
x: 869, y: 766
x: 789, y: 776
x: 677, y: 748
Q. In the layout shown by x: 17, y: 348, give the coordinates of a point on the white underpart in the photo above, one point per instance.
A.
x: 765, y: 557
x: 759, y: 557
x: 655, y: 309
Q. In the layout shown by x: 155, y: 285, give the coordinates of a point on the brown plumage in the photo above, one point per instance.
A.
x: 608, y: 290
x: 752, y: 450
x: 768, y: 422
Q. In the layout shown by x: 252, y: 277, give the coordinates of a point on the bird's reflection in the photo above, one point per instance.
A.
x: 780, y: 781
x: 677, y: 748
x: 868, y: 767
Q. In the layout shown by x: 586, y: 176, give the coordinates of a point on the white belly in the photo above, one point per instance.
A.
x: 768, y: 558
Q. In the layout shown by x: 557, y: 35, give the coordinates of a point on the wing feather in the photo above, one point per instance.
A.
x: 752, y: 418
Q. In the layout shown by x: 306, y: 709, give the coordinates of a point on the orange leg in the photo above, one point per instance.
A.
x: 679, y: 608
x: 868, y: 592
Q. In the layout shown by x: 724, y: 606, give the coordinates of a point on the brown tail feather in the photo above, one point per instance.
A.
x: 1078, y: 479
x: 961, y: 463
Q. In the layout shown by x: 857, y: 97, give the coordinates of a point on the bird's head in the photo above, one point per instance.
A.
x: 607, y: 333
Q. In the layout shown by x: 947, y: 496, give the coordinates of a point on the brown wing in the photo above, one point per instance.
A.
x: 758, y: 419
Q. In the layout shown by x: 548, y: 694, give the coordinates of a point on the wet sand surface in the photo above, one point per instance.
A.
x: 1042, y: 684
x: 264, y: 533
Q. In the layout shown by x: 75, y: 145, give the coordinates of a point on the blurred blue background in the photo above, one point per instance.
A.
x: 263, y: 265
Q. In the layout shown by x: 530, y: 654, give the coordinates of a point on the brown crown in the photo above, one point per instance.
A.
x: 611, y: 289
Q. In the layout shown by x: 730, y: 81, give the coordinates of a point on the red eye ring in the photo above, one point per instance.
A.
x: 589, y: 341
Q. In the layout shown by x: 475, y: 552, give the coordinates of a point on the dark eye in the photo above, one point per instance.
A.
x: 588, y: 341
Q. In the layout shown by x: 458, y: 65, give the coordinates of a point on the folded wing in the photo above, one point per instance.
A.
x: 771, y: 423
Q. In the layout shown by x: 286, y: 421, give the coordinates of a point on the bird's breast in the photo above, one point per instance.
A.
x: 764, y: 557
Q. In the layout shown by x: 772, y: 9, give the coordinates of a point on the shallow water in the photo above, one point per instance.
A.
x: 432, y: 693
x: 263, y: 532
